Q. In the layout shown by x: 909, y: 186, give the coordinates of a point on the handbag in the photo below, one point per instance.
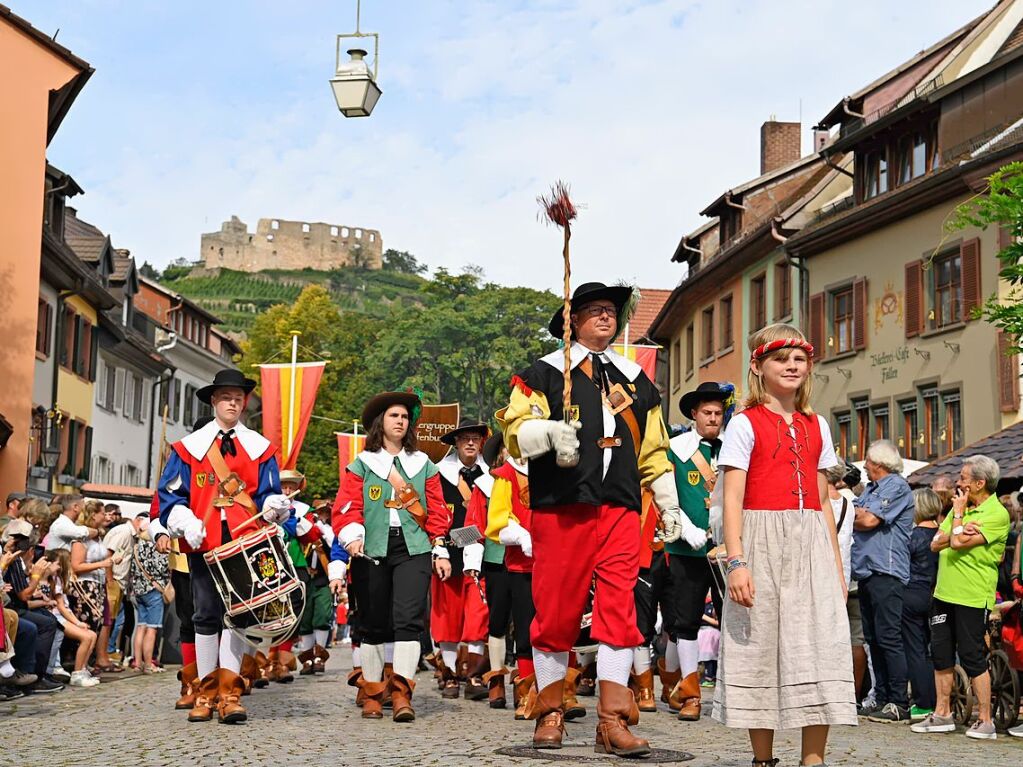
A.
x: 167, y: 592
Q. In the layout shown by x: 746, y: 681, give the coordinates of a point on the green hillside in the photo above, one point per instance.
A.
x: 237, y: 297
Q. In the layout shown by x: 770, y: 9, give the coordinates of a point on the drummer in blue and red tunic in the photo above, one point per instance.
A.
x: 187, y: 491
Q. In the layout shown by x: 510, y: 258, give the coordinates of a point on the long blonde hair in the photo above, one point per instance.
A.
x: 756, y: 393
x: 89, y: 512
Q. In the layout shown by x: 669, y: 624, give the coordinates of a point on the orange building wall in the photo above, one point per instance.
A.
x: 28, y: 72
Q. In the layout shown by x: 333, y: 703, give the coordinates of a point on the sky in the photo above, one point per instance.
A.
x: 649, y: 109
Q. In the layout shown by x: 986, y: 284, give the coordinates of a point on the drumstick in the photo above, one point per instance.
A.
x: 253, y: 519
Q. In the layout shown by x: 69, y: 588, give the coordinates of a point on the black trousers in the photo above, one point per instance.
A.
x: 916, y: 638
x: 207, y: 606
x: 651, y: 590
x: 183, y: 605
x: 25, y: 647
x: 881, y: 598
x: 46, y: 628
x: 510, y: 599
x: 392, y: 595
x: 691, y: 579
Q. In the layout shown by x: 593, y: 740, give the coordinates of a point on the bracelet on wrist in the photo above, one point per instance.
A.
x: 734, y: 564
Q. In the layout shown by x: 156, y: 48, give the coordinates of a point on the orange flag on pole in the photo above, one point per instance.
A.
x: 643, y: 355
x: 348, y: 447
x: 289, y: 393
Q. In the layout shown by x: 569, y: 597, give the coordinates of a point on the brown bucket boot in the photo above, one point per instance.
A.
x: 690, y: 700
x: 320, y: 658
x: 289, y: 660
x: 263, y: 666
x: 388, y: 673
x: 373, y: 700
x: 205, y: 698
x: 278, y: 671
x: 571, y: 705
x: 306, y: 659
x: 249, y: 673
x: 587, y: 684
x: 449, y: 686
x: 495, y: 687
x: 546, y: 708
x: 401, y: 698
x: 522, y: 688
x: 229, y: 707
x: 642, y: 686
x: 475, y: 687
x: 668, y: 681
x: 354, y: 677
x: 462, y: 663
x: 189, y: 687
x: 616, y: 709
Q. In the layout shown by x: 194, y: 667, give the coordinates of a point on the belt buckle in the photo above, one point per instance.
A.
x: 606, y: 442
x: 392, y: 504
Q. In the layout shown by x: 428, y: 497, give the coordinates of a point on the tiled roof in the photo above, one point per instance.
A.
x: 122, y: 265
x: 1005, y: 447
x: 649, y: 307
x: 1013, y: 41
x: 75, y: 227
x: 89, y: 249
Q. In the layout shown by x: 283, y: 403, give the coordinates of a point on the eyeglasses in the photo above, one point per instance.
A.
x: 468, y: 438
x: 598, y: 310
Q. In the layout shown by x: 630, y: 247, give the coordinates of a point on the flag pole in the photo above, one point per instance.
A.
x: 291, y: 394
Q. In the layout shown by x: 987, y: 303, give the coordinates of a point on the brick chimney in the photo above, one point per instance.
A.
x: 779, y: 145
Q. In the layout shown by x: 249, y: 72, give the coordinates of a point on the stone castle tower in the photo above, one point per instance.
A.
x: 279, y: 244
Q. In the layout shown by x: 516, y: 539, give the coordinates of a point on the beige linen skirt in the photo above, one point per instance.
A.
x: 786, y: 662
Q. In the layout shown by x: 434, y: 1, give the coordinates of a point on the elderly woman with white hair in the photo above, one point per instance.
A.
x: 880, y: 565
x: 971, y: 542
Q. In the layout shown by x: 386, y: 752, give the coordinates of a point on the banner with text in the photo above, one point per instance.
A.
x: 434, y: 422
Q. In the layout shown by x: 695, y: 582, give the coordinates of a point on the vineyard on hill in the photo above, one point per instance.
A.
x: 238, y: 297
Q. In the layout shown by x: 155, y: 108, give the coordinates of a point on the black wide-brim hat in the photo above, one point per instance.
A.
x: 465, y: 426
x: 492, y: 448
x: 587, y: 293
x: 704, y: 392
x: 381, y: 402
x: 223, y: 379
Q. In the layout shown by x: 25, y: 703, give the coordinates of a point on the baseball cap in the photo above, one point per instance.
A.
x: 16, y: 497
x: 18, y: 527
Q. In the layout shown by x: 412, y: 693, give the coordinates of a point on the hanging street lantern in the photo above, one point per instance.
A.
x: 354, y: 85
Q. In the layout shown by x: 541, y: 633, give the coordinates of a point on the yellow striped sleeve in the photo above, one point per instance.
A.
x: 653, y: 452
x: 521, y: 407
x: 499, y: 511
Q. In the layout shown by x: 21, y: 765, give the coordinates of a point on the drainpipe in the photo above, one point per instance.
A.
x: 831, y: 164
x: 728, y: 202
x: 848, y: 111
x: 804, y: 274
x: 152, y: 408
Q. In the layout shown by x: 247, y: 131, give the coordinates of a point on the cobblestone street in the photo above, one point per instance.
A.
x: 313, y: 721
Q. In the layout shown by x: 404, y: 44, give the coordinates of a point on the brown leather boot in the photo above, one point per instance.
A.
x: 571, y: 705
x: 642, y: 686
x: 462, y: 663
x: 263, y: 666
x: 189, y: 687
x: 320, y: 658
x: 449, y: 686
x: 522, y: 688
x: 668, y: 681
x: 401, y: 698
x: 249, y: 673
x: 306, y: 659
x: 616, y: 710
x: 495, y: 687
x: 688, y: 693
x: 373, y: 700
x: 587, y: 684
x: 278, y: 671
x: 289, y: 660
x: 475, y: 687
x: 229, y: 707
x: 205, y: 698
x: 388, y: 673
x: 546, y: 708
x: 354, y: 677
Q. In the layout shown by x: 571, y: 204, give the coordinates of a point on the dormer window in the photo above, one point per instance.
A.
x: 875, y: 176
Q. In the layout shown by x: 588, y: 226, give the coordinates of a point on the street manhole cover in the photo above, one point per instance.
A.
x: 583, y: 752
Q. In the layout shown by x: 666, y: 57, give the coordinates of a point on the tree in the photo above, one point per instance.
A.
x: 175, y: 272
x: 147, y: 271
x: 402, y: 261
x: 1001, y: 206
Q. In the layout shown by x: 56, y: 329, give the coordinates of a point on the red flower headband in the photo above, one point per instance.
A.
x: 782, y: 343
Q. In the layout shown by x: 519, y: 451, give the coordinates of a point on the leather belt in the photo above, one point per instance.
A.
x: 393, y: 504
x: 605, y: 442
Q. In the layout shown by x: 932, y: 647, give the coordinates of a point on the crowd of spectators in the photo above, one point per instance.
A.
x: 80, y: 580
x: 927, y: 568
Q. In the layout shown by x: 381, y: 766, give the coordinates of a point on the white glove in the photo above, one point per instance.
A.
x: 276, y: 508
x: 676, y: 524
x: 472, y: 557
x: 440, y: 552
x: 336, y: 570
x: 351, y: 532
x: 516, y: 535
x: 182, y: 523
x: 538, y: 436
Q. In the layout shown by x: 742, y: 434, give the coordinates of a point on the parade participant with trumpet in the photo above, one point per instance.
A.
x: 216, y: 479
x: 585, y: 519
x: 390, y: 516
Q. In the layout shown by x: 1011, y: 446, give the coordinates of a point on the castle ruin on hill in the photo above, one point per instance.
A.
x: 280, y: 244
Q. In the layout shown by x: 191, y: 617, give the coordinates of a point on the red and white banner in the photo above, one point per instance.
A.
x: 642, y: 355
x: 288, y: 405
x: 348, y: 447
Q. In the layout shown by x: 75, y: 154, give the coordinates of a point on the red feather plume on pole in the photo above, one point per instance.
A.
x: 557, y: 208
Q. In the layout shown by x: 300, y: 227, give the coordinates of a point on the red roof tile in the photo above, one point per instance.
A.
x: 649, y: 307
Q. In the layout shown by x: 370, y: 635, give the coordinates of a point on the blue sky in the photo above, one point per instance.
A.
x: 650, y: 109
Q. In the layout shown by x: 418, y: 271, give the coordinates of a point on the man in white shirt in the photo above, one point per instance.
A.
x: 65, y: 530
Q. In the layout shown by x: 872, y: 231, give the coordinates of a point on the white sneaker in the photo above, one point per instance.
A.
x: 982, y: 731
x: 83, y: 679
x: 1017, y: 731
x: 61, y: 674
x: 934, y: 723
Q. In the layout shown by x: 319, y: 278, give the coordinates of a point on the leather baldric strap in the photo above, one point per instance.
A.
x: 627, y: 415
x: 463, y: 489
x: 704, y: 468
x: 227, y: 477
x: 408, y: 497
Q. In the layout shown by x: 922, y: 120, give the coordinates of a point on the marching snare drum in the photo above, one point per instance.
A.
x: 256, y: 579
